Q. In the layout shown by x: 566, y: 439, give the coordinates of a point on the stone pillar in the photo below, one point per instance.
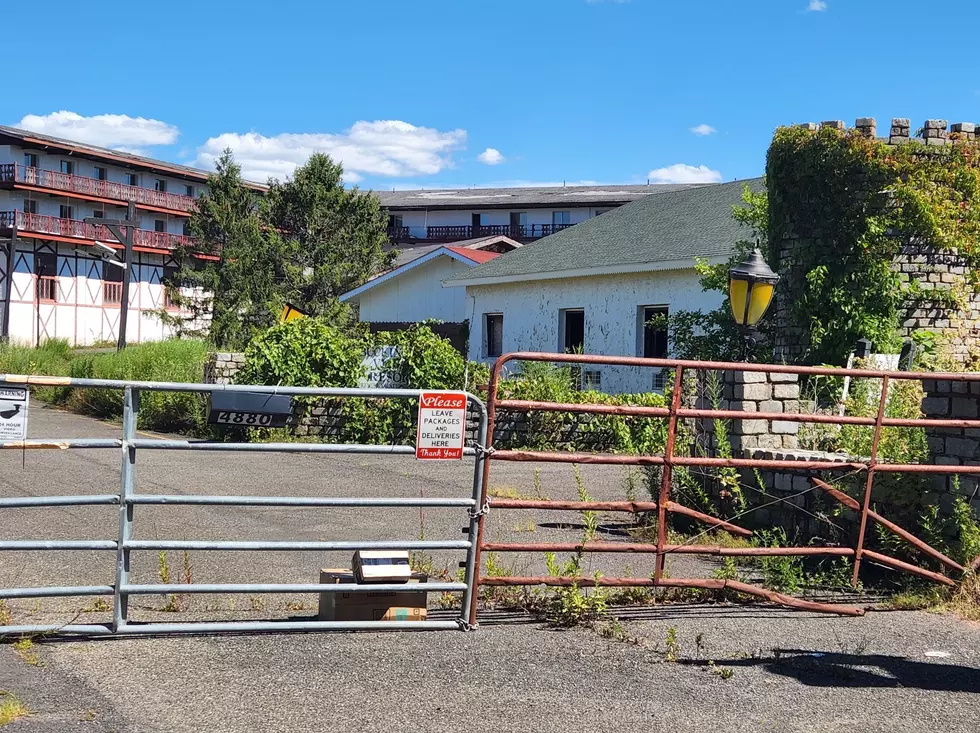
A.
x: 899, y: 131
x: 963, y: 130
x: 763, y: 392
x: 867, y: 126
x: 934, y: 132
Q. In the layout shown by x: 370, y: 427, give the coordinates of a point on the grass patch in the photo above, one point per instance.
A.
x: 11, y: 708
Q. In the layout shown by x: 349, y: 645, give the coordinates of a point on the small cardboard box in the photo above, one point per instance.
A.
x: 381, y: 566
x: 407, y: 605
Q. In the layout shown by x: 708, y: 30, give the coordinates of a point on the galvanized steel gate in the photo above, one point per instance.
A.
x: 128, y: 499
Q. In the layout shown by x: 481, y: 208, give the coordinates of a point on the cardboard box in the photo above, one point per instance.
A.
x: 381, y: 566
x: 407, y: 605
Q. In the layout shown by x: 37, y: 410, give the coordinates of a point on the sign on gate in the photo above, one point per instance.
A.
x: 13, y: 413
x: 442, y: 425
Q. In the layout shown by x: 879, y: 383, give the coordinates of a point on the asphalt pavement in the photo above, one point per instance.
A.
x: 664, y: 668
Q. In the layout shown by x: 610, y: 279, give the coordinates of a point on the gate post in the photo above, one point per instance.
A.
x: 120, y: 607
x: 467, y: 620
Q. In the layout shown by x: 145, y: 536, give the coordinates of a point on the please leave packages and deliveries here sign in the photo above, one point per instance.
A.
x: 442, y: 426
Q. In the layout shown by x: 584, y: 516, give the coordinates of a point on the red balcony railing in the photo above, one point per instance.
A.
x: 39, y: 224
x: 11, y: 173
x: 514, y: 231
x: 111, y: 292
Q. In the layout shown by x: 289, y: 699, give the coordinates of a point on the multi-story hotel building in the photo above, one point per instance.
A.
x: 53, y: 284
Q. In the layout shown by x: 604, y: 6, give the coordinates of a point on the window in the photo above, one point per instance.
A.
x: 159, y: 225
x: 30, y: 206
x: 112, y: 285
x: 591, y: 380
x: 189, y: 191
x: 68, y: 167
x: 571, y: 323
x: 46, y: 269
x: 493, y: 326
x: 169, y: 281
x: 101, y: 173
x: 561, y: 218
x: 187, y: 228
x: 653, y: 330
x: 395, y: 221
x: 98, y: 214
x: 66, y: 212
x: 518, y: 221
x: 133, y: 179
x: 30, y: 160
x: 160, y: 185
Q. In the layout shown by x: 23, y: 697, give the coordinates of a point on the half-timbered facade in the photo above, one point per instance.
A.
x: 53, y: 283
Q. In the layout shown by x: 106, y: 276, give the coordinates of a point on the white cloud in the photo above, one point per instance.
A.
x: 703, y: 130
x: 816, y: 6
x: 390, y: 148
x: 490, y: 156
x: 683, y: 173
x: 108, y: 131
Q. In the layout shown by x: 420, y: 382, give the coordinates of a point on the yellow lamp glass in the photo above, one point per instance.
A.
x: 738, y: 291
x: 759, y: 300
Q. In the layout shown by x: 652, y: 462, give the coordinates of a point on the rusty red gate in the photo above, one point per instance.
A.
x: 666, y: 505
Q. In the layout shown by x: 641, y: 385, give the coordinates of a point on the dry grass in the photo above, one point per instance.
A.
x: 11, y: 708
x: 965, y: 601
x: 6, y: 618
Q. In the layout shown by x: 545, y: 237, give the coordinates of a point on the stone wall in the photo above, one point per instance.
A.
x: 953, y: 446
x: 933, y: 269
x: 222, y: 366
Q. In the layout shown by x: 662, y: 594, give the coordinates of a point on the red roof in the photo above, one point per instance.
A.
x: 473, y: 255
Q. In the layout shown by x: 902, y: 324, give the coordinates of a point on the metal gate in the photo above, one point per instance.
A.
x: 665, y: 504
x: 128, y: 499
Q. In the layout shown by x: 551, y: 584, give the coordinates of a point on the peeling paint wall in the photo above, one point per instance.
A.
x: 613, y: 316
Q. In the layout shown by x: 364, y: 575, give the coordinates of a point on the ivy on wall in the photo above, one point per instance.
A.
x: 845, y: 205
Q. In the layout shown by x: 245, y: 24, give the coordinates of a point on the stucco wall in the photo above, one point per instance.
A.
x: 612, y: 315
x: 417, y: 295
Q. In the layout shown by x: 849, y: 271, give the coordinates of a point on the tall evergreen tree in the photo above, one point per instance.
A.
x: 307, y: 242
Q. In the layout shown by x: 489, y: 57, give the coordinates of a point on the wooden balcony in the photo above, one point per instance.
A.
x: 460, y: 232
x: 13, y: 175
x: 69, y: 229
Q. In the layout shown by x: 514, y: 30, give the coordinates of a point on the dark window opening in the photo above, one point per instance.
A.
x: 494, y: 327
x: 133, y: 179
x: 189, y: 191
x: 573, y: 331
x: 68, y: 167
x: 655, y: 332
x: 101, y: 173
x: 159, y: 225
x: 46, y: 269
x: 30, y: 160
x: 160, y: 185
x: 66, y: 212
x: 30, y: 206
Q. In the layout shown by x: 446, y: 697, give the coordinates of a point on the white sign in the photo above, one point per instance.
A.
x: 13, y: 413
x: 377, y: 373
x: 442, y: 425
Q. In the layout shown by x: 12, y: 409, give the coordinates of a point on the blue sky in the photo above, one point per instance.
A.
x: 443, y: 93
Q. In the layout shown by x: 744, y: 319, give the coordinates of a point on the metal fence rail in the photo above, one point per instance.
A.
x: 664, y: 505
x: 127, y: 500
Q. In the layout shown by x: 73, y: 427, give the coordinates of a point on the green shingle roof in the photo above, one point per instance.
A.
x: 659, y: 229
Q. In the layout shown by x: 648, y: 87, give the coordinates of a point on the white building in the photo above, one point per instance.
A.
x: 51, y: 283
x: 523, y: 214
x: 597, y: 286
x: 411, y: 291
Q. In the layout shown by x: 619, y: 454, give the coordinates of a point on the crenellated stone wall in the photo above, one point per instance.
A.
x: 943, y: 271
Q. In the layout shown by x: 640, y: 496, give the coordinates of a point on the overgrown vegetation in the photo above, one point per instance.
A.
x: 162, y: 361
x: 11, y: 708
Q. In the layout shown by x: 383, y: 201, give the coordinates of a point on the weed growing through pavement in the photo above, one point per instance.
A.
x: 673, y: 647
x: 27, y: 651
x: 726, y: 673
x: 6, y: 618
x: 256, y: 603
x: 98, y: 605
x: 11, y: 708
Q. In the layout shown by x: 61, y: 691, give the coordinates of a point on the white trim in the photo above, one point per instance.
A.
x: 582, y: 272
x: 405, y: 268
